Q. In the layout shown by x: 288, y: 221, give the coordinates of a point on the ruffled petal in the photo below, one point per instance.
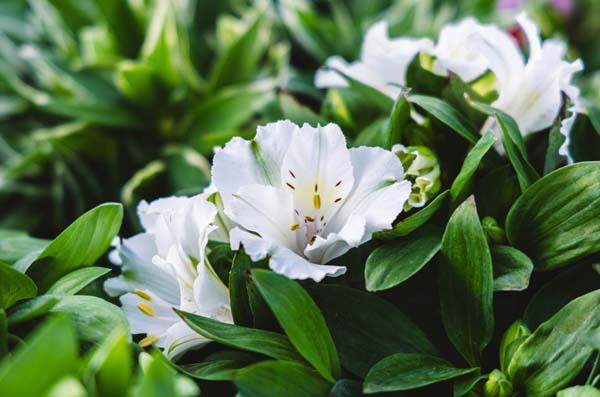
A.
x: 210, y: 294
x: 294, y: 266
x: 322, y: 250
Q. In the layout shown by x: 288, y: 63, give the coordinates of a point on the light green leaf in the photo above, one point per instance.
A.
x: 54, y: 346
x: 407, y: 371
x: 31, y: 309
x: 15, y: 245
x: 94, y: 318
x: 466, y: 283
x: 512, y: 268
x: 79, y: 245
x: 301, y: 320
x: 380, y: 330
x: 394, y: 263
x: 579, y: 391
x: 73, y: 282
x: 280, y: 379
x: 557, y: 350
x: 110, y: 366
x: 260, y: 341
x: 414, y: 221
x: 14, y: 286
x: 557, y: 220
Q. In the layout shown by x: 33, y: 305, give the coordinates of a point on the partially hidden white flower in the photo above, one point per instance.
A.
x: 383, y: 62
x: 164, y: 268
x: 302, y: 198
x: 532, y: 91
x: 422, y: 169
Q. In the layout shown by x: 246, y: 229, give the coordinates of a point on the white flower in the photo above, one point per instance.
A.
x: 423, y: 170
x: 382, y: 65
x: 531, y: 91
x: 164, y: 268
x: 302, y: 198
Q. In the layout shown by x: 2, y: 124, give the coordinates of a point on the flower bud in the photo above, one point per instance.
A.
x: 493, y: 232
x: 497, y: 385
x: 422, y: 169
x: 512, y: 339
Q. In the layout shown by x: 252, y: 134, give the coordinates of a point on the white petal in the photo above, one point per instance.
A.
x: 266, y: 210
x: 255, y: 246
x: 138, y: 271
x: 258, y: 161
x: 294, y: 266
x: 532, y: 33
x: 379, y: 191
x: 210, y: 294
x: 329, y: 77
x: 142, y: 323
x: 577, y: 105
x: 337, y: 244
x: 180, y: 338
x: 454, y: 54
x: 179, y: 265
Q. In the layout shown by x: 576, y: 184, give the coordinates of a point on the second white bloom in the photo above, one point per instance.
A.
x: 302, y: 198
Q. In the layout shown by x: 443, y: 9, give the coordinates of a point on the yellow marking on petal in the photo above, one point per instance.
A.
x: 317, y: 201
x: 146, y: 309
x: 148, y: 340
x: 142, y: 294
x: 294, y: 227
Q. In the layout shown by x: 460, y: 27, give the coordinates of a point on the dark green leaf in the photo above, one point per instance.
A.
x: 466, y: 283
x: 238, y: 294
x: 301, y: 320
x: 223, y: 367
x: 346, y: 388
x: 79, y: 245
x: 414, y: 221
x: 397, y: 122
x: 394, y: 263
x: 447, y: 115
x: 377, y: 98
x: 557, y: 220
x: 464, y: 181
x: 280, y: 379
x: 14, y: 286
x: 512, y: 268
x: 268, y: 343
x: 465, y: 383
x: 406, y: 371
x: 73, y: 282
x: 367, y: 328
x: 31, y: 309
x: 555, y: 141
x: 3, y: 334
x: 557, y: 350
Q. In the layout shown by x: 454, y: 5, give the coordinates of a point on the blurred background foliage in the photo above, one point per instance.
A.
x: 123, y: 100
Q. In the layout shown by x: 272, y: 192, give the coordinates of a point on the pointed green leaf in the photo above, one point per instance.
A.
x: 14, y: 286
x: 73, y: 282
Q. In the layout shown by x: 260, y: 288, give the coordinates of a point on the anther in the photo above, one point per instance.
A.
x: 148, y: 340
x: 317, y: 201
x: 316, y: 187
x: 309, y: 219
x: 338, y: 183
x: 290, y: 185
x: 337, y: 200
x: 146, y: 309
x: 142, y: 294
x: 292, y: 174
x: 294, y: 227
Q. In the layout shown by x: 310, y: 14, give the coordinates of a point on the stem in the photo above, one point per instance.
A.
x: 594, y: 370
x: 3, y: 334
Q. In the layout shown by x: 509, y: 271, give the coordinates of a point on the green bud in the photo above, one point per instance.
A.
x: 512, y: 339
x: 97, y: 46
x: 422, y: 169
x: 497, y: 385
x: 493, y: 232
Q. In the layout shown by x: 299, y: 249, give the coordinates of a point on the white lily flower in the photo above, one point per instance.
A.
x: 165, y: 268
x: 383, y: 62
x: 531, y: 92
x: 301, y: 197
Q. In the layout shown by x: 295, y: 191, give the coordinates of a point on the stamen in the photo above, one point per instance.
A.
x: 317, y: 201
x: 309, y: 219
x: 322, y: 217
x: 338, y: 183
x: 148, y: 340
x: 337, y: 200
x: 290, y: 185
x: 294, y: 227
x: 312, y: 240
x: 292, y: 174
x: 146, y: 309
x: 316, y: 187
x: 142, y: 294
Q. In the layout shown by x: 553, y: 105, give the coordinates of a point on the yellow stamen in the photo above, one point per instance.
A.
x: 142, y: 294
x: 148, y: 340
x: 317, y: 201
x: 146, y: 309
x: 294, y: 227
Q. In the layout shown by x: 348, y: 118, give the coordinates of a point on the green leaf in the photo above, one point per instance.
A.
x: 447, y: 115
x: 158, y: 380
x: 3, y: 334
x: 31, y: 309
x: 298, y: 113
x: 268, y: 343
x: 512, y: 268
x: 73, y: 282
x: 15, y: 245
x: 465, y: 383
x: 375, y: 97
x: 557, y: 350
x: 466, y: 283
x: 414, y: 221
x: 367, y: 328
x: 394, y: 263
x: 346, y: 388
x: 280, y: 379
x: 559, y: 291
x: 463, y: 183
x: 94, y: 318
x: 52, y: 345
x: 110, y: 365
x: 301, y: 320
x: 238, y: 294
x: 579, y: 391
x: 407, y: 371
x: 221, y: 366
x: 14, y: 286
x: 555, y: 140
x: 557, y: 220
x: 79, y: 245
x: 397, y: 122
